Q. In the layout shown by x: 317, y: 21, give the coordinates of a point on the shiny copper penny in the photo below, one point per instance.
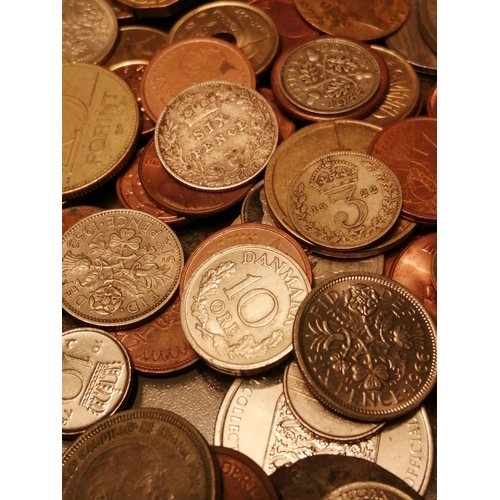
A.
x: 100, y: 124
x: 359, y: 19
x: 413, y: 269
x: 89, y: 31
x: 159, y: 346
x: 431, y: 103
x: 140, y: 454
x: 188, y: 62
x: 173, y: 196
x: 409, y: 147
x: 366, y: 346
x: 131, y: 194
x: 216, y: 136
x: 250, y: 28
x: 286, y: 126
x: 120, y: 267
x: 242, y: 478
x: 427, y: 22
x: 72, y: 215
x: 240, y: 234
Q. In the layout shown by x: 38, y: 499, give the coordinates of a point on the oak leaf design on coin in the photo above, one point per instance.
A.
x: 247, y: 346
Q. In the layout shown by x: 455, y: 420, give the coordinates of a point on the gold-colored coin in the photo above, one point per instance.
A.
x: 89, y: 31
x: 120, y: 267
x: 96, y: 374
x: 238, y: 308
x: 216, y: 136
x: 100, y: 124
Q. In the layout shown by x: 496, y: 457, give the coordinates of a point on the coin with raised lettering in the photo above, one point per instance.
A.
x: 367, y: 490
x: 238, y: 308
x: 366, y: 346
x: 139, y: 454
x: 120, y: 267
x: 72, y: 215
x: 216, y: 136
x: 96, y: 374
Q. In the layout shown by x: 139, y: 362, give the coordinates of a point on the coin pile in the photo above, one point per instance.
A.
x: 249, y: 265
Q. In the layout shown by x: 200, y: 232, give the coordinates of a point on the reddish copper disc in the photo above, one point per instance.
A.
x: 409, y: 147
x: 132, y: 195
x: 159, y: 346
x: 432, y: 102
x: 240, y: 234
x: 413, y: 269
x: 286, y: 126
x: 170, y: 194
x: 72, y: 215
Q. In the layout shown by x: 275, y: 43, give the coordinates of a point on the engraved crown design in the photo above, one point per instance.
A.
x: 195, y: 110
x: 332, y: 175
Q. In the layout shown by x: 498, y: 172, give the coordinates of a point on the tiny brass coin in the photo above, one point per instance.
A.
x: 89, y: 31
x: 139, y: 454
x: 367, y: 490
x: 100, y: 124
x: 216, y: 136
x: 344, y: 200
x: 238, y: 308
x: 96, y: 373
x: 366, y: 346
x: 119, y: 267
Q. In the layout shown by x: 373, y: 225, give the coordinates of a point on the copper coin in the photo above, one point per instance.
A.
x: 432, y: 102
x: 427, y: 22
x: 159, y: 346
x: 359, y: 20
x: 131, y: 194
x: 409, y: 147
x: 188, y: 62
x: 170, y: 194
x: 413, y: 269
x: 290, y: 24
x: 72, y: 215
x: 240, y: 234
x: 286, y: 126
x: 329, y: 78
x: 242, y: 478
x: 366, y: 346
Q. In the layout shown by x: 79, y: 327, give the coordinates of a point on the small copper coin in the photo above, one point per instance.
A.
x: 432, y: 102
x: 89, y: 31
x: 242, y: 478
x: 72, y: 215
x: 159, y: 346
x: 96, y: 374
x: 120, y: 267
x: 359, y: 20
x: 434, y: 270
x: 140, y: 454
x: 250, y: 28
x: 366, y: 346
x: 122, y: 12
x: 188, y: 62
x: 286, y: 126
x: 216, y: 136
x: 170, y: 194
x: 413, y: 269
x: 427, y: 22
x: 409, y: 147
x: 241, y: 234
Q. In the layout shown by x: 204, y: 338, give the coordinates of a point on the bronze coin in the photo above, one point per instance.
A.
x: 432, y: 102
x: 72, y: 215
x: 242, y: 478
x: 173, y: 196
x: 409, y: 147
x: 427, y: 22
x: 366, y: 346
x: 240, y: 234
x: 122, y: 12
x: 159, y: 346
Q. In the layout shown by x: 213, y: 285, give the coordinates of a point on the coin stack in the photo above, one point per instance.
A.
x: 249, y: 264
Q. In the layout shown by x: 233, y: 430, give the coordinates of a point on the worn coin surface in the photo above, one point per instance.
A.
x: 367, y: 490
x: 255, y: 208
x: 96, y: 374
x: 344, y: 200
x: 100, y: 124
x: 286, y: 126
x: 238, y: 308
x: 119, y: 267
x: 72, y: 215
x: 146, y: 453
x: 431, y: 102
x: 89, y: 31
x: 427, y: 22
x: 366, y: 346
x: 216, y: 135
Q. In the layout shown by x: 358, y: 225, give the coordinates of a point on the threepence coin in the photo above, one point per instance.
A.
x: 100, y: 124
x: 96, y: 373
x: 366, y: 346
x: 344, y: 200
x: 238, y: 308
x: 216, y: 136
x: 119, y: 268
x: 138, y: 454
